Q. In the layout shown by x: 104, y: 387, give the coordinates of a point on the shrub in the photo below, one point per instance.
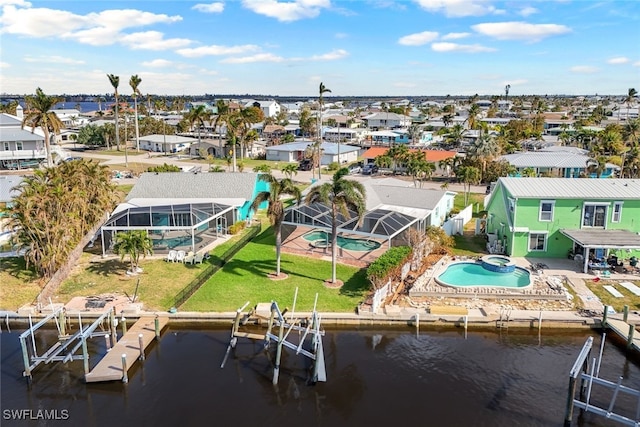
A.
x: 262, y: 168
x: 165, y: 168
x: 333, y: 166
x: 237, y: 227
x: 441, y: 243
x: 388, y: 265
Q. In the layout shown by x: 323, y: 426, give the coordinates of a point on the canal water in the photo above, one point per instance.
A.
x: 375, y: 378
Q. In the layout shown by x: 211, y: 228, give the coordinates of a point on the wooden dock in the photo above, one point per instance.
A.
x: 110, y: 367
x: 623, y: 329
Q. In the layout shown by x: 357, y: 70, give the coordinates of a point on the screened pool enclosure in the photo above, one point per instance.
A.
x: 186, y: 225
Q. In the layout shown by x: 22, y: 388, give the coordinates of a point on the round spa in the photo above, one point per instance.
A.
x: 498, y: 264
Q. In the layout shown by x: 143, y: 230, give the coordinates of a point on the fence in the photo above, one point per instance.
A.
x: 456, y: 224
x: 379, y: 296
x: 215, y: 265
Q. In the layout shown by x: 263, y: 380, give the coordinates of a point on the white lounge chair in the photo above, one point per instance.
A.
x: 613, y: 291
x: 180, y: 256
x: 171, y: 256
x: 188, y: 259
x: 198, y: 258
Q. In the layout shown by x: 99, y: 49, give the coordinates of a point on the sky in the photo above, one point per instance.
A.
x: 355, y: 48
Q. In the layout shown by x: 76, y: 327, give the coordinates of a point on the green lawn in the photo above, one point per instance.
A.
x: 629, y: 299
x: 477, y: 199
x: 244, y: 279
x: 20, y: 285
x: 469, y: 245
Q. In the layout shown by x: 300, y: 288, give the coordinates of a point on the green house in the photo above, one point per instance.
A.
x: 559, y: 217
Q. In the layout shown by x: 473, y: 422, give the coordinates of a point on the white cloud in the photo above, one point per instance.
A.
x: 287, y: 11
x: 520, y: 30
x: 528, y: 11
x: 455, y: 36
x: 21, y: 3
x: 341, y: 35
x: 418, y: 39
x: 458, y: 8
x: 516, y: 82
x: 152, y: 40
x: 404, y: 84
x: 260, y: 57
x: 217, y: 7
x: 584, y: 69
x: 618, y: 60
x: 158, y: 63
x: 636, y: 64
x: 216, y: 50
x: 4, y: 64
x: 465, y: 48
x: 54, y: 59
x: 331, y: 56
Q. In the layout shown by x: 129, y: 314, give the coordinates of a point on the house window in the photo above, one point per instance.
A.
x: 538, y: 241
x: 18, y: 145
x: 594, y: 215
x: 616, y: 216
x: 6, y: 146
x: 546, y: 210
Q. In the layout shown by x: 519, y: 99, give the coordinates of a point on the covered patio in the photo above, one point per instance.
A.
x: 189, y: 226
x: 606, y: 240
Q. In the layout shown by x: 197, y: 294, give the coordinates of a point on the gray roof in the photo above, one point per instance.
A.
x: 7, y: 183
x: 169, y: 139
x: 400, y: 194
x: 17, y: 134
x: 572, y: 188
x: 604, y: 238
x: 181, y: 185
x: 327, y: 147
x: 548, y: 159
x: 9, y: 120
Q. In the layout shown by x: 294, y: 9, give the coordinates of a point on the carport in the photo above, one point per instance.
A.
x: 602, y: 239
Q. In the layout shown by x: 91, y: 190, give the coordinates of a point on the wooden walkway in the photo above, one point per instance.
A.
x: 622, y: 329
x: 110, y: 367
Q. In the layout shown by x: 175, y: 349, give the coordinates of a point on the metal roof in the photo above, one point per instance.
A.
x: 7, y: 183
x: 181, y: 185
x: 328, y: 147
x: 548, y: 159
x: 17, y: 134
x: 613, y: 239
x: 572, y: 188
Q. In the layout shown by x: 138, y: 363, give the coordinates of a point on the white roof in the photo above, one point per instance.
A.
x: 548, y: 159
x: 572, y: 188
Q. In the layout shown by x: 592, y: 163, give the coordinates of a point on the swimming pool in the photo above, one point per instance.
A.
x: 321, y: 239
x: 468, y: 274
x: 172, y: 242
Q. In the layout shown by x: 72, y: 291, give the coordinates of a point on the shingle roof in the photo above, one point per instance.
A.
x: 180, y: 185
x: 572, y: 188
x: 7, y: 183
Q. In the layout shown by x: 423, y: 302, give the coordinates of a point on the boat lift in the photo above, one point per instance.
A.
x: 310, y: 328
x: 590, y: 377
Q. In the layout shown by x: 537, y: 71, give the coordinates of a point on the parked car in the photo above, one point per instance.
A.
x: 355, y: 168
x: 305, y: 165
x: 369, y: 169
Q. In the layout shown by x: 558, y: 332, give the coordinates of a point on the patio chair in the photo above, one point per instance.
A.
x: 188, y: 259
x: 180, y: 256
x: 171, y: 256
x: 198, y: 258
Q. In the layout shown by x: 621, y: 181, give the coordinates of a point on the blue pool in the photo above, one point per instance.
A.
x: 322, y: 239
x: 468, y: 274
x: 173, y: 242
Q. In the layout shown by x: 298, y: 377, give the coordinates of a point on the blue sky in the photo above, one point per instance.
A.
x: 357, y: 48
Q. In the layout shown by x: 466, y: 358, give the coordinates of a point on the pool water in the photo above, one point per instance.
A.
x: 324, y: 239
x: 467, y: 274
x: 173, y: 242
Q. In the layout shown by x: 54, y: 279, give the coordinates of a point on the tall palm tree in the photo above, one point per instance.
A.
x: 198, y: 116
x: 289, y: 170
x: 134, y: 244
x: 342, y: 196
x: 134, y: 82
x: 221, y: 118
x: 115, y: 82
x: 322, y: 89
x: 275, y: 208
x: 39, y: 114
x: 468, y: 175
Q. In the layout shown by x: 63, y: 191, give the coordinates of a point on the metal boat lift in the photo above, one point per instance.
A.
x: 589, y: 376
x: 308, y: 327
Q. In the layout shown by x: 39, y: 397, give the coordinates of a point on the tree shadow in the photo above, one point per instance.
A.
x: 107, y: 268
x: 17, y: 267
x: 357, y: 285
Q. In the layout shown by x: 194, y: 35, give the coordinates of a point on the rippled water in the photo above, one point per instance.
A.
x: 375, y: 378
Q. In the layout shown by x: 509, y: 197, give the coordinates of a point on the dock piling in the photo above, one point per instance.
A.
x: 625, y: 313
x: 604, y: 316
x: 114, y: 325
x: 632, y: 329
x: 141, y: 344
x: 107, y: 341
x: 417, y: 324
x: 157, y: 326
x: 25, y: 358
x: 85, y: 358
x: 125, y: 377
x: 62, y: 323
x: 123, y: 322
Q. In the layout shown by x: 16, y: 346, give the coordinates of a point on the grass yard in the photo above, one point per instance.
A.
x: 469, y: 244
x: 19, y: 285
x: 244, y: 279
x: 618, y: 304
x: 476, y: 199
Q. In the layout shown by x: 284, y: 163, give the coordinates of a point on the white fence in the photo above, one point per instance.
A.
x: 455, y: 225
x: 379, y: 296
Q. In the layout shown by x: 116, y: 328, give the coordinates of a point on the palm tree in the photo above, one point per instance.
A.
x: 134, y: 82
x: 198, y: 116
x: 39, y: 114
x: 289, y: 170
x: 275, y: 208
x: 321, y: 90
x: 115, y: 82
x: 342, y: 196
x: 221, y: 118
x: 134, y: 244
x: 596, y: 166
x: 468, y: 175
x: 474, y: 110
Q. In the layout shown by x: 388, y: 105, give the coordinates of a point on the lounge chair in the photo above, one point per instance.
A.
x: 198, y: 258
x: 188, y: 259
x: 171, y: 256
x: 180, y: 256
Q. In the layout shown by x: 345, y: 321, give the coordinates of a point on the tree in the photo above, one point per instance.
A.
x: 56, y: 207
x: 468, y: 175
x: 221, y: 118
x: 289, y: 170
x: 419, y: 168
x: 198, y: 116
x: 134, y: 82
x: 306, y: 123
x: 275, y: 208
x: 39, y: 114
x: 322, y: 89
x: 90, y: 135
x: 133, y: 244
x: 115, y: 82
x: 343, y: 197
